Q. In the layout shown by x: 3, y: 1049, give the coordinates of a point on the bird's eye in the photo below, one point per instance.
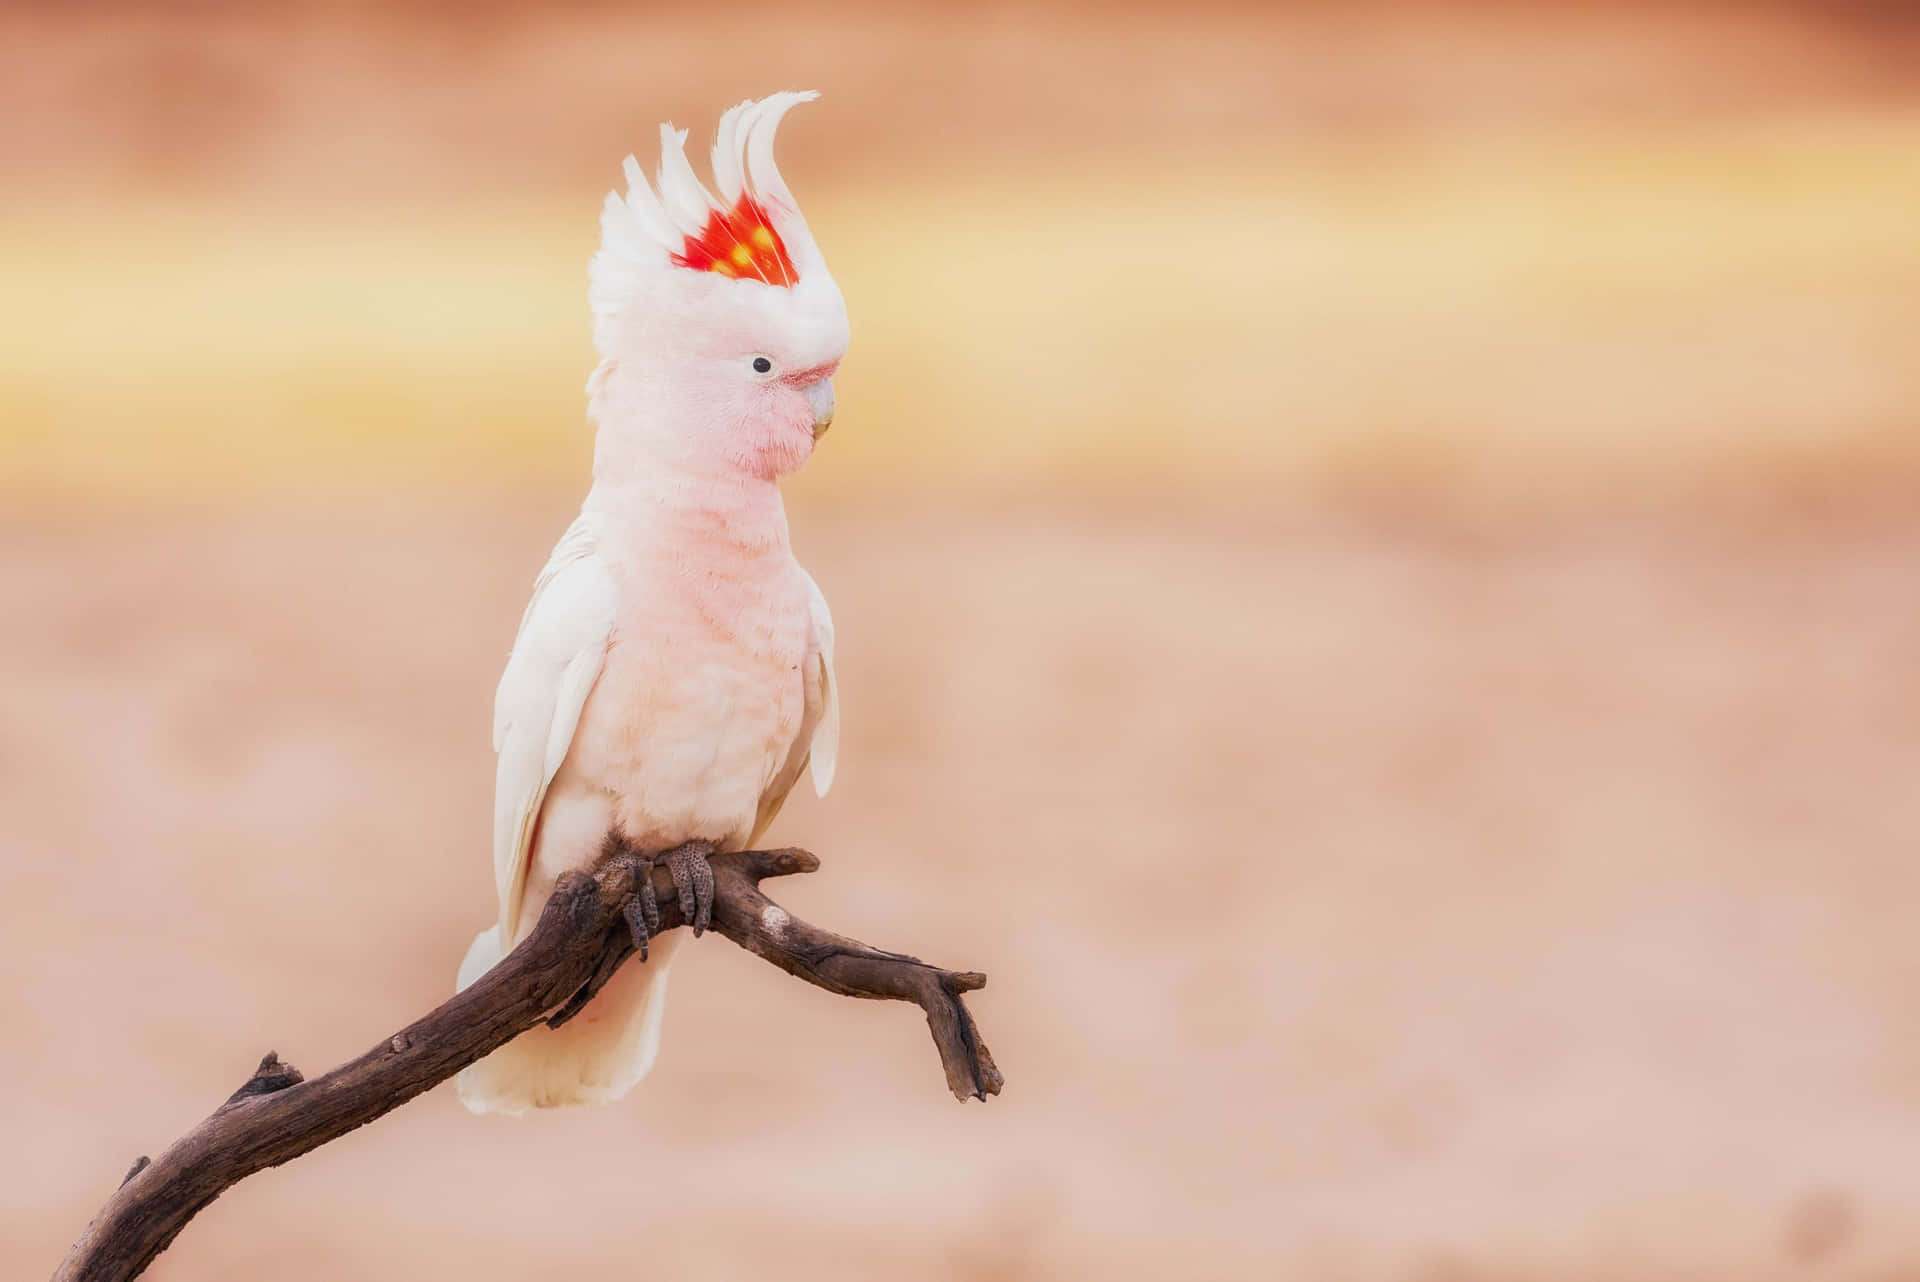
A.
x: 761, y: 365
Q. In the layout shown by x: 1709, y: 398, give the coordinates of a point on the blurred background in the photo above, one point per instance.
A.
x: 1375, y: 556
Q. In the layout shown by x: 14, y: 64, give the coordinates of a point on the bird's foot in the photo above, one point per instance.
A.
x: 693, y: 878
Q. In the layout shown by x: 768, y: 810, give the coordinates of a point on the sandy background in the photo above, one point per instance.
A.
x: 1374, y: 557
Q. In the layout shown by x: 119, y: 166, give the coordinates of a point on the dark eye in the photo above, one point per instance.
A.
x: 761, y: 365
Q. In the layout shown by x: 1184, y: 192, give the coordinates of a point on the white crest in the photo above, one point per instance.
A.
x: 642, y: 232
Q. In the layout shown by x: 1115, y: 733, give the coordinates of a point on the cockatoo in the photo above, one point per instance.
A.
x: 672, y: 677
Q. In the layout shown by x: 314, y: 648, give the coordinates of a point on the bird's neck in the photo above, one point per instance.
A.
x: 665, y: 488
x: 681, y: 504
x: 728, y: 513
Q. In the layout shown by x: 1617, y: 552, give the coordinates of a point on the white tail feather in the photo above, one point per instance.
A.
x: 594, y: 1058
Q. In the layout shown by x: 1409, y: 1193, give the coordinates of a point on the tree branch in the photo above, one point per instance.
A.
x: 578, y: 943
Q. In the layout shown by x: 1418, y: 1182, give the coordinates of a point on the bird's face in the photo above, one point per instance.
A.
x: 752, y: 366
x: 717, y: 313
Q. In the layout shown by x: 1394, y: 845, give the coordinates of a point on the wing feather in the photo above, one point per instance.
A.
x: 818, y: 743
x: 556, y: 659
x: 824, y: 745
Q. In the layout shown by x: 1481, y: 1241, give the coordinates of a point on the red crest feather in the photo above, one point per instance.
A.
x: 739, y: 242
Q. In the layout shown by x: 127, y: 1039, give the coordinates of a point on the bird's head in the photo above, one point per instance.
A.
x: 718, y: 324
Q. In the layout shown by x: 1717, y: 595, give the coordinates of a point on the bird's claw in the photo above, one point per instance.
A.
x: 642, y: 910
x: 693, y: 878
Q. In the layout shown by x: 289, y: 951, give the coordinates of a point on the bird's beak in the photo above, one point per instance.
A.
x: 820, y: 397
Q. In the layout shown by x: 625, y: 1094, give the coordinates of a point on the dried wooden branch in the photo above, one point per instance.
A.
x: 580, y: 940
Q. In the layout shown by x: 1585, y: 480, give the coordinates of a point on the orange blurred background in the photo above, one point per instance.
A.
x: 1374, y: 555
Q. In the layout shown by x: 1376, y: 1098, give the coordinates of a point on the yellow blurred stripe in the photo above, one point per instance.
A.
x: 1520, y: 311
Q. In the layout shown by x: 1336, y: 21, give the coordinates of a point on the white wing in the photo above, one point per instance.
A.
x: 556, y: 658
x: 821, y: 728
x: 818, y: 743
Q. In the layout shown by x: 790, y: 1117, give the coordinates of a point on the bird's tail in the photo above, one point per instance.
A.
x: 594, y: 1058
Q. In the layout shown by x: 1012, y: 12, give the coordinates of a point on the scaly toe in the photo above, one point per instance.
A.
x: 693, y: 878
x: 648, y: 904
x: 637, y: 926
x: 642, y: 910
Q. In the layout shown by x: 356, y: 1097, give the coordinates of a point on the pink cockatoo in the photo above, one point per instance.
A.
x: 672, y: 678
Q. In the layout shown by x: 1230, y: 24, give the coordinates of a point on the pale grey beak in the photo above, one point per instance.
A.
x: 820, y: 397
